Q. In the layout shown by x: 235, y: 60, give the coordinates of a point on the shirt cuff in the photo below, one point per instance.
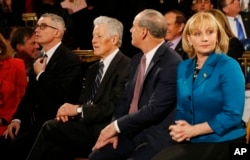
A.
x: 117, y: 127
x: 16, y: 120
x: 38, y: 75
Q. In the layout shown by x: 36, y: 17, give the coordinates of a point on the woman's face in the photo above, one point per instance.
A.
x: 203, y: 40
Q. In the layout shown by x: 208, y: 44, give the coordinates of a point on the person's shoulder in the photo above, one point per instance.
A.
x: 225, y: 60
x: 16, y: 61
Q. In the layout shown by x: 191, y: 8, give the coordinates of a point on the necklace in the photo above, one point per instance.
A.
x: 196, y: 71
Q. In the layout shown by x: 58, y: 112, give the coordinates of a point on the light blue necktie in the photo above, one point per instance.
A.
x: 239, y: 29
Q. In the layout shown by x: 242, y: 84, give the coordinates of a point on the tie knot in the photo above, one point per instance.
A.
x: 143, y: 59
x: 101, y: 65
x: 236, y: 19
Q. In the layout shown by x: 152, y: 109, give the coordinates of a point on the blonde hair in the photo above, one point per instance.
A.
x: 204, y: 20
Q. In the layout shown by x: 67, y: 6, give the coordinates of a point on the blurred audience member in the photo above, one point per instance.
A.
x: 238, y: 21
x: 176, y: 21
x: 12, y: 85
x: 23, y: 42
x: 203, y: 5
x: 235, y: 47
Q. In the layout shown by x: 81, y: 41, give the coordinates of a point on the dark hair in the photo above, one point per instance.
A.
x: 4, y: 53
x: 19, y: 36
x: 221, y: 4
x: 180, y: 17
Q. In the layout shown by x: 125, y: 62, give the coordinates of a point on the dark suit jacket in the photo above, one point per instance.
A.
x: 180, y: 50
x: 246, y: 21
x: 157, y: 99
x: 61, y: 82
x: 235, y: 49
x: 108, y: 94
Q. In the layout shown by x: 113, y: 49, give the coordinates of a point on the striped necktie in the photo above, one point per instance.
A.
x: 97, y: 82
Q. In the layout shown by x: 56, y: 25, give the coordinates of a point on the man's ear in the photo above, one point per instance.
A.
x: 19, y: 47
x: 115, y: 39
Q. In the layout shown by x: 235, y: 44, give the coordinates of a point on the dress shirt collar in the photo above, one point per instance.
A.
x: 175, y: 42
x: 108, y: 60
x: 149, y: 55
x: 50, y: 52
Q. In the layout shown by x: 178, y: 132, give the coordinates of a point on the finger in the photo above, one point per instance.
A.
x: 115, y: 143
x: 16, y: 131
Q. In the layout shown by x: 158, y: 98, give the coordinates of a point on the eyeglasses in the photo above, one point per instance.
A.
x: 43, y: 26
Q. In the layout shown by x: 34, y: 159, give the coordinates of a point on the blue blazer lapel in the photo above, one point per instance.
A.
x: 189, y: 74
x: 206, y: 70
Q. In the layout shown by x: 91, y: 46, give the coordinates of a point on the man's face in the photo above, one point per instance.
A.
x: 103, y: 44
x: 137, y: 32
x: 173, y: 30
x: 203, y: 5
x: 29, y: 48
x: 232, y: 8
x: 46, y: 31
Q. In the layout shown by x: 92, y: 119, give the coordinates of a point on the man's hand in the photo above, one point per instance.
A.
x: 14, y: 126
x: 65, y: 111
x: 107, y: 135
x: 40, y: 65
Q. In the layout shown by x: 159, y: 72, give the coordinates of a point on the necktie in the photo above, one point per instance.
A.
x: 170, y: 44
x: 239, y: 29
x: 138, y: 84
x: 97, y: 82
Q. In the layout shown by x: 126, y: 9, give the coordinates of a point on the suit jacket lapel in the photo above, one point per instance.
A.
x: 52, y: 61
x: 155, y: 58
x: 108, y: 74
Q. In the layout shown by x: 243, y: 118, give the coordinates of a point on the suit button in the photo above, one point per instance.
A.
x: 191, y: 111
x: 189, y: 97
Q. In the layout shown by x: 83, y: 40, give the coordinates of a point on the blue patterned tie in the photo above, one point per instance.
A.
x: 97, y: 82
x: 239, y: 29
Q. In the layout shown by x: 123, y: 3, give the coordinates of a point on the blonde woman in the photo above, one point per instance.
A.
x: 210, y: 95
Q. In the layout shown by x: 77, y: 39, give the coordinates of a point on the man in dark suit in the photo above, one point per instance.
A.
x: 91, y: 113
x: 53, y: 80
x: 232, y: 10
x: 176, y: 21
x: 142, y: 117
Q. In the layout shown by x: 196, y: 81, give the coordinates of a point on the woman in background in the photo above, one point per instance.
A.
x: 13, y: 83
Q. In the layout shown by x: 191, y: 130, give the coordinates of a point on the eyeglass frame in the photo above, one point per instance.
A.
x: 43, y: 26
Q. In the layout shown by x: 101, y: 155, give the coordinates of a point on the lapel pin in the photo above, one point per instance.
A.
x: 204, y: 75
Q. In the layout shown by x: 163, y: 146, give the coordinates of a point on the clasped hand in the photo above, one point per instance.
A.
x: 181, y: 131
x: 65, y: 111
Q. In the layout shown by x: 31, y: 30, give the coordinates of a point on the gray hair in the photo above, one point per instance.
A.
x: 115, y: 27
x: 154, y: 21
x: 59, y: 22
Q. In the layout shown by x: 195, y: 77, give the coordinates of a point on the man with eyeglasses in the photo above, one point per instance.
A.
x: 54, y: 79
x: 232, y: 9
